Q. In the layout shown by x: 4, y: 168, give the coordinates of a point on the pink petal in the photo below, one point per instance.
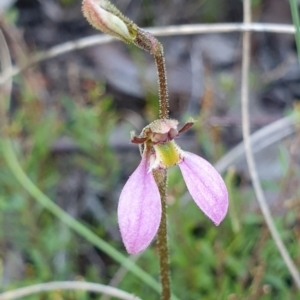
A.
x: 139, y: 209
x: 206, y: 186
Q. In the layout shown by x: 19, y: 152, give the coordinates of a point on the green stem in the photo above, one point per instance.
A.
x: 295, y: 17
x: 162, y: 242
x: 229, y: 180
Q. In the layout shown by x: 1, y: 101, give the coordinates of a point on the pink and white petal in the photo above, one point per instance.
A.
x: 139, y: 209
x: 206, y: 186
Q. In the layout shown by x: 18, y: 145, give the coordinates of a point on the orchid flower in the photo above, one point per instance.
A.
x: 139, y: 208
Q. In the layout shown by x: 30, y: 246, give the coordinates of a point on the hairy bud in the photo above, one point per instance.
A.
x: 107, y: 18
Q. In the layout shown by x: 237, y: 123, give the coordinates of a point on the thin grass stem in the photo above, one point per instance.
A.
x: 295, y: 17
x: 249, y: 151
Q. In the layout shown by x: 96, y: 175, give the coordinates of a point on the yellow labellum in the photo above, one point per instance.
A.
x: 168, y: 153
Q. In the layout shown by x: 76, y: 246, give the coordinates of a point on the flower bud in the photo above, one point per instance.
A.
x: 107, y: 18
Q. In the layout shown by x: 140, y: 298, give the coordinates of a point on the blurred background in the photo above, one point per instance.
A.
x: 70, y: 122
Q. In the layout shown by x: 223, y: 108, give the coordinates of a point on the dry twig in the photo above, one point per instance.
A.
x: 263, y: 138
x: 67, y: 285
x: 158, y: 31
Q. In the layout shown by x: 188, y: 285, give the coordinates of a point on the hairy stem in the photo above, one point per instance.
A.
x: 162, y: 83
x: 146, y: 41
x: 162, y: 242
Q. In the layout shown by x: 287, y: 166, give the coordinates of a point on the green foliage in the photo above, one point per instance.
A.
x: 47, y: 246
x: 207, y: 262
x: 237, y: 259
